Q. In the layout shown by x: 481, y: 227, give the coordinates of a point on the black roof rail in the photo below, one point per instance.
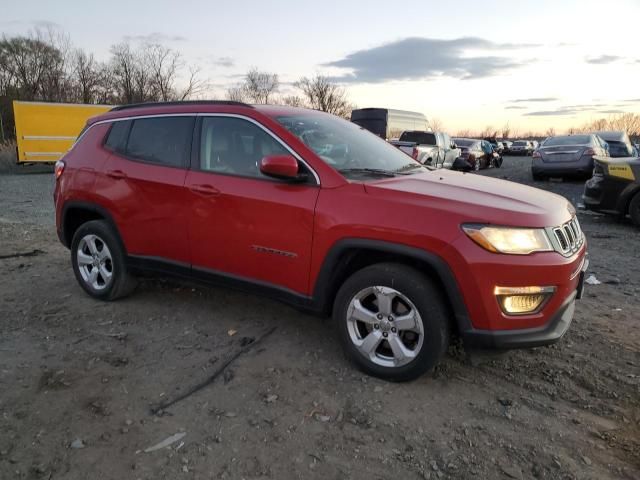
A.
x: 182, y: 102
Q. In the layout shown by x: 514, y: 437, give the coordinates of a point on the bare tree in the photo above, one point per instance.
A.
x: 465, y: 133
x: 260, y: 86
x: 551, y: 132
x: 321, y: 94
x: 237, y: 94
x: 293, y: 101
x: 436, y: 124
x: 626, y: 122
x: 489, y: 132
x: 506, y: 130
x: 87, y: 76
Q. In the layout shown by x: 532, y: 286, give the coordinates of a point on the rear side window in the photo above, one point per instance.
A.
x: 117, y: 138
x: 162, y: 140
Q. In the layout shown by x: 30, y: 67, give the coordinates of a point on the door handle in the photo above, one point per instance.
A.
x: 204, y: 189
x: 117, y: 174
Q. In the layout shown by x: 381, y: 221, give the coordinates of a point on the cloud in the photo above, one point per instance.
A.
x: 515, y: 107
x: 566, y: 110
x: 536, y: 99
x: 603, y: 59
x: 154, y: 37
x: 224, y: 62
x: 632, y: 100
x: 418, y: 58
x: 612, y: 111
x: 35, y: 23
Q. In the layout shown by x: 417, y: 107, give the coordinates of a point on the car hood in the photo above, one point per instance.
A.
x: 476, y: 198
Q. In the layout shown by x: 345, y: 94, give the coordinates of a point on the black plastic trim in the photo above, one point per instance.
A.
x: 325, y: 288
x: 525, y: 338
x: 141, y: 264
x: 91, y: 207
x: 179, y: 103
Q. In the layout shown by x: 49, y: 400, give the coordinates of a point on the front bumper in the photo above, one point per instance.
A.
x: 479, y: 272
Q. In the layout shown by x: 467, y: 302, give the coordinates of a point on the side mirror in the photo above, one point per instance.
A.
x: 280, y: 166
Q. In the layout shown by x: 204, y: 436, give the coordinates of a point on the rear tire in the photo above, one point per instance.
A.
x: 98, y: 260
x: 634, y: 209
x: 392, y: 321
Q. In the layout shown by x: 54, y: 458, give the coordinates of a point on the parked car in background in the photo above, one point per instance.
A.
x: 521, y: 147
x: 614, y: 187
x: 429, y: 148
x: 498, y: 147
x: 304, y: 207
x: 473, y: 156
x: 388, y: 123
x: 618, y: 142
x: 567, y: 156
x: 507, y: 146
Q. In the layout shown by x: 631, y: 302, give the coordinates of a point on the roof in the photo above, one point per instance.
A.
x: 613, y: 136
x: 180, y: 103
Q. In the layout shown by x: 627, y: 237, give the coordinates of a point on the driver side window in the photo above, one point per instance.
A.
x: 235, y: 146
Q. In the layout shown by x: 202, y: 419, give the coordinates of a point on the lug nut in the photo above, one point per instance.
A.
x: 376, y: 326
x: 385, y: 334
x: 390, y: 318
x: 379, y: 316
x: 394, y: 330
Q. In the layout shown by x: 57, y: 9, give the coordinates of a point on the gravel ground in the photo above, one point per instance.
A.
x: 78, y: 379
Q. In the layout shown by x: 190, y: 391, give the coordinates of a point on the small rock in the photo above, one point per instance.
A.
x: 77, y: 444
x: 128, y: 422
x: 511, y: 472
x: 586, y: 460
x: 612, y: 281
x: 377, y: 389
x: 271, y: 398
x: 434, y: 466
x: 230, y: 414
x: 322, y: 418
x: 505, y: 402
x: 185, y: 469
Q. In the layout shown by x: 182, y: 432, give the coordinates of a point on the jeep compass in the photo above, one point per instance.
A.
x: 310, y: 209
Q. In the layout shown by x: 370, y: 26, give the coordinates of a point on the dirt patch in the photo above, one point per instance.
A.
x: 78, y: 379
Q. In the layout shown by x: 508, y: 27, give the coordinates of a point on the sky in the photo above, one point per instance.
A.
x: 470, y: 64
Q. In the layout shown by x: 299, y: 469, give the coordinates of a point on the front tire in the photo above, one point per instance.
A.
x: 98, y: 261
x: 392, y: 321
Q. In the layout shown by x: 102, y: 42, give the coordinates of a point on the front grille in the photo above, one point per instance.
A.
x: 569, y: 237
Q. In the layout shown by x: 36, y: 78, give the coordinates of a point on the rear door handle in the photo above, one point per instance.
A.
x: 204, y: 189
x: 117, y: 174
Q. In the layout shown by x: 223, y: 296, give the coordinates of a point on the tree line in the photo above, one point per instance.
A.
x: 44, y: 66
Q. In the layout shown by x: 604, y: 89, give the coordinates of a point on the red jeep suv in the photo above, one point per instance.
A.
x: 310, y: 209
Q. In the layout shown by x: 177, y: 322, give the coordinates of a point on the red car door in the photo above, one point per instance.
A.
x: 242, y: 223
x: 142, y: 184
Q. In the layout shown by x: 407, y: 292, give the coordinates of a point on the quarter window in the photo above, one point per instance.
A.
x: 162, y: 140
x: 117, y: 138
x: 235, y: 146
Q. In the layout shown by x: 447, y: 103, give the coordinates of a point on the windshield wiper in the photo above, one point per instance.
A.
x: 409, y: 166
x: 374, y: 171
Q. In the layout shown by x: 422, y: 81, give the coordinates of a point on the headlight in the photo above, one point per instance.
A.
x: 516, y: 241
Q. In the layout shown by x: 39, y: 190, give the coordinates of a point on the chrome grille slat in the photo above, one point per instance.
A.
x: 569, y: 237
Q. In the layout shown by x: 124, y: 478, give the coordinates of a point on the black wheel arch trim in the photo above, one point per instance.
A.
x: 91, y: 207
x: 325, y: 289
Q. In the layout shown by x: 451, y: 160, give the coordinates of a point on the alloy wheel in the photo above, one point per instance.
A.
x: 385, y: 326
x: 95, y: 262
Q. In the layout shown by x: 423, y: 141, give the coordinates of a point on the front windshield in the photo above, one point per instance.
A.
x: 347, y: 147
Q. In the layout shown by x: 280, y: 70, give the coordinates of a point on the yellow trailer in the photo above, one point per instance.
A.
x: 45, y: 131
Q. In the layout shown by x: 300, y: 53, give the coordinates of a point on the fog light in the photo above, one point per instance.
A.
x: 522, y: 300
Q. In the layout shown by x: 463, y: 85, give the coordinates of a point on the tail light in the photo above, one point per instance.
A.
x: 589, y: 151
x: 536, y: 154
x: 59, y: 168
x: 414, y: 154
